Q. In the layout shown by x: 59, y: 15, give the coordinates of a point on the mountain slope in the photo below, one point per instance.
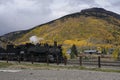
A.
x: 95, y: 25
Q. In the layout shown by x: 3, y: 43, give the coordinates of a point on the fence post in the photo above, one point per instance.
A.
x: 99, y: 62
x: 80, y: 60
x: 32, y: 58
x: 47, y: 60
x: 57, y: 60
x: 19, y: 58
x: 65, y: 60
x: 7, y: 57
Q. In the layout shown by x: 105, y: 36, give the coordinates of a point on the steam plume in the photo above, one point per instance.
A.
x: 35, y: 39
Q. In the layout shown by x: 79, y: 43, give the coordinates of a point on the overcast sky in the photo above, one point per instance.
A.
x: 25, y: 14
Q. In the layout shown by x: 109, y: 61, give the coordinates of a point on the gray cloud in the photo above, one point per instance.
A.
x: 25, y: 14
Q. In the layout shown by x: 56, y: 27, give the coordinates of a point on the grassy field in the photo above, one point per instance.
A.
x: 5, y: 65
x: 44, y: 66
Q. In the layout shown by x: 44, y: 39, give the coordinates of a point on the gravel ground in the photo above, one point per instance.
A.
x: 57, y: 75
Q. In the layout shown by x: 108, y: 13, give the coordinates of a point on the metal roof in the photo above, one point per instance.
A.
x: 90, y: 51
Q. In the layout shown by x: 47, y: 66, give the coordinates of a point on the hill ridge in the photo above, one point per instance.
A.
x: 80, y: 25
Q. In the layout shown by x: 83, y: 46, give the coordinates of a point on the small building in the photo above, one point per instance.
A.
x: 90, y: 51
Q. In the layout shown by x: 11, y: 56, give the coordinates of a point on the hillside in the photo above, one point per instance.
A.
x: 88, y: 27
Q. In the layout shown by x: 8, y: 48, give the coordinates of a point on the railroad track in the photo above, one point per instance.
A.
x: 92, y: 62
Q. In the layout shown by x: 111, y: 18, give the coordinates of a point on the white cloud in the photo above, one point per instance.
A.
x: 1, y: 9
x: 103, y: 3
x: 23, y: 14
x: 64, y: 7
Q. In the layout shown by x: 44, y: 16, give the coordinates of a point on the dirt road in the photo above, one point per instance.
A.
x: 57, y: 75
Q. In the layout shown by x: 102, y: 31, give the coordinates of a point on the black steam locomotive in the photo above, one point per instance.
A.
x: 27, y: 52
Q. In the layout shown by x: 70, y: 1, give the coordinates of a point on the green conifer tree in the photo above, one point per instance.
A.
x: 74, y: 51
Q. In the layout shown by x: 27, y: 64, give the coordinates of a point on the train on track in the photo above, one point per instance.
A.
x: 36, y: 52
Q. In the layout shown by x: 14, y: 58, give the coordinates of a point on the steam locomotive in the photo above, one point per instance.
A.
x: 37, y: 52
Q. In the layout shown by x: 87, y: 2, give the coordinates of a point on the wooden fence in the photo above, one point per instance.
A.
x: 94, y: 61
x: 83, y: 61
